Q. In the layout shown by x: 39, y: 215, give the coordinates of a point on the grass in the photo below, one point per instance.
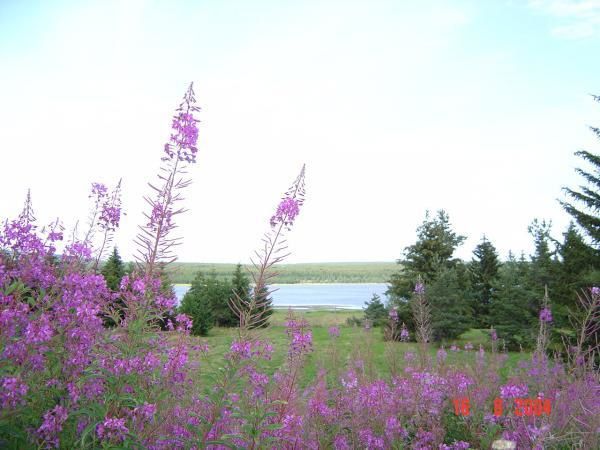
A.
x: 353, y: 343
x: 349, y: 272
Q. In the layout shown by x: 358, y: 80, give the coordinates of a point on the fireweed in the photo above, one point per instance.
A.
x: 67, y: 382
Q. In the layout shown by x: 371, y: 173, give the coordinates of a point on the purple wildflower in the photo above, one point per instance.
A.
x: 394, y: 314
x: 404, y: 335
x: 334, y: 332
x: 286, y: 212
x: 419, y: 288
x: 595, y: 290
x: 546, y: 315
x: 112, y: 429
x: 12, y: 391
x: 513, y: 391
x: 52, y: 425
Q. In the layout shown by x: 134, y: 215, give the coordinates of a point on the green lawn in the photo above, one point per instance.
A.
x: 350, y: 272
x: 334, y: 354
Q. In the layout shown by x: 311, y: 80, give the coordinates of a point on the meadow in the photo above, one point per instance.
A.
x: 353, y: 343
x: 86, y: 365
x: 346, y: 272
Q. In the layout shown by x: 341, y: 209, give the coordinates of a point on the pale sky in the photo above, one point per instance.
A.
x: 395, y: 107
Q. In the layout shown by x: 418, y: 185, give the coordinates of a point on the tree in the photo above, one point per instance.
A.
x: 575, y: 267
x: 483, y: 270
x: 375, y: 311
x: 588, y: 197
x: 113, y: 270
x: 197, y: 304
x: 513, y: 313
x: 242, y: 291
x: 449, y: 299
x: 542, y: 263
x: 431, y: 253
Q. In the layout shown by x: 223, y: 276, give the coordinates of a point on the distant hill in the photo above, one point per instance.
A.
x: 346, y: 272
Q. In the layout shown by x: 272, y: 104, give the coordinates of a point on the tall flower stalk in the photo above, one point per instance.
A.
x: 154, y: 240
x: 422, y: 317
x: 544, y: 330
x: 251, y: 312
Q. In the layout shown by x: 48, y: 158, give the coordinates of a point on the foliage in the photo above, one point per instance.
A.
x: 375, y: 311
x: 113, y: 270
x: 198, y: 303
x: 588, y: 197
x: 451, y: 313
x: 484, y: 268
x: 436, y: 243
x: 342, y: 272
x: 513, y: 311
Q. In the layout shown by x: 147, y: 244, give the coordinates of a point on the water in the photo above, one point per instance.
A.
x: 341, y: 295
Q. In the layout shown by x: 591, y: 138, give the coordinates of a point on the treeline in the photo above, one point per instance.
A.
x: 510, y: 297
x: 351, y: 272
x: 487, y: 293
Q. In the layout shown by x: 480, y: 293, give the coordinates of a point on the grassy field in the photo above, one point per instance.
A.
x: 351, y: 272
x: 334, y: 354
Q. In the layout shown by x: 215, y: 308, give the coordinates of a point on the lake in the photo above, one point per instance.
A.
x: 298, y: 296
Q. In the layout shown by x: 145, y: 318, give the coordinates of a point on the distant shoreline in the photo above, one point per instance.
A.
x: 299, y: 273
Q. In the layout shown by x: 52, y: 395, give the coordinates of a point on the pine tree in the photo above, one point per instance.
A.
x: 375, y: 311
x: 113, y: 270
x: 197, y: 304
x: 575, y: 267
x: 484, y: 277
x: 543, y: 265
x: 436, y: 243
x: 513, y: 313
x: 242, y: 290
x: 448, y: 296
x: 587, y: 215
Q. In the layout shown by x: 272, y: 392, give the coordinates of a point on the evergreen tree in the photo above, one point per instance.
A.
x: 543, y: 265
x: 266, y: 307
x: 484, y: 277
x: 512, y: 311
x: 448, y: 296
x: 197, y: 304
x: 588, y: 197
x: 436, y: 243
x: 113, y: 270
x: 375, y: 311
x: 241, y: 286
x: 575, y: 267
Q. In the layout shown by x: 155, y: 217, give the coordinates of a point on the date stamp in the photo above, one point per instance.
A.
x: 522, y: 407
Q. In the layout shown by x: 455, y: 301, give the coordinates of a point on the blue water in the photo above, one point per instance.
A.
x: 344, y: 295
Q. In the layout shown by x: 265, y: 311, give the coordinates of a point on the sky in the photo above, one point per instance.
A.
x: 395, y: 107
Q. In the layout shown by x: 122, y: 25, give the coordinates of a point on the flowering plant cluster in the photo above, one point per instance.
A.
x: 68, y: 382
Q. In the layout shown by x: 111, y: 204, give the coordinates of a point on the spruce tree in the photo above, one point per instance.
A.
x: 197, y: 304
x: 448, y: 296
x: 543, y: 264
x: 241, y: 289
x: 512, y: 311
x: 575, y: 272
x: 436, y: 243
x: 113, y: 270
x: 375, y: 311
x: 586, y: 207
x: 484, y: 276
